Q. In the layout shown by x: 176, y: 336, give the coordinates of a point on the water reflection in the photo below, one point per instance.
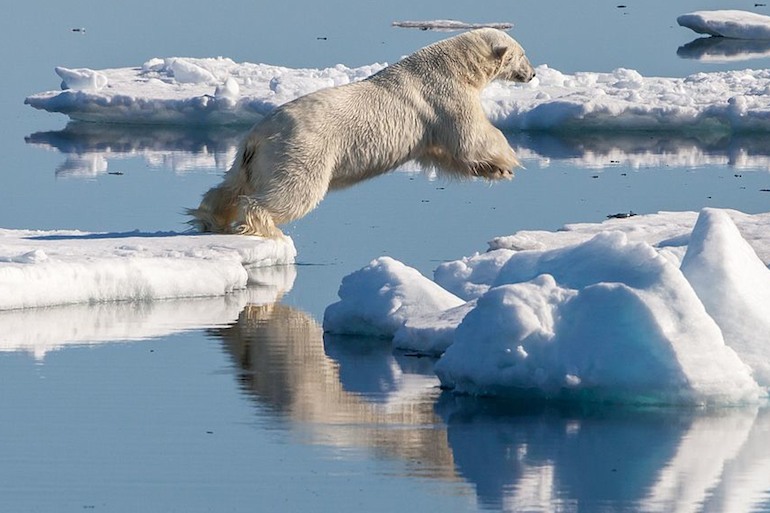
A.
x: 723, y: 49
x: 89, y: 148
x: 645, y: 149
x: 41, y: 330
x: 532, y: 457
x: 343, y: 392
x: 356, y: 393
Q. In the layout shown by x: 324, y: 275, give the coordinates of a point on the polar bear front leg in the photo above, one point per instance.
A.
x: 488, y: 155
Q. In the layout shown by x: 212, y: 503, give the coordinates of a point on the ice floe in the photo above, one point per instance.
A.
x: 731, y: 23
x: 663, y: 308
x: 45, y: 268
x: 450, y: 25
x: 218, y: 91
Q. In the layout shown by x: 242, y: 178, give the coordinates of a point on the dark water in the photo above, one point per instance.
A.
x: 240, y: 403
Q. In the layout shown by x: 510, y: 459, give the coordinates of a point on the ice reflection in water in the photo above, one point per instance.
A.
x: 724, y: 49
x: 525, y: 457
x: 89, y: 148
x: 357, y: 393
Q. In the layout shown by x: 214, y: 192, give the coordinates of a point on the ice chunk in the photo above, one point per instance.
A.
x: 188, y: 72
x: 230, y: 89
x: 378, y: 299
x: 67, y: 267
x: 81, y: 79
x: 728, y: 23
x: 734, y: 285
x: 607, y: 319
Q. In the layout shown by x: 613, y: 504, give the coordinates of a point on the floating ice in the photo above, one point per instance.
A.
x: 62, y: 267
x: 177, y: 91
x: 597, y: 311
x: 450, y: 25
x: 379, y: 298
x: 182, y: 91
x: 82, y: 78
x: 728, y: 23
x: 734, y: 286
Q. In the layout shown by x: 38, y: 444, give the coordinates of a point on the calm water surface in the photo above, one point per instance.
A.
x: 241, y: 403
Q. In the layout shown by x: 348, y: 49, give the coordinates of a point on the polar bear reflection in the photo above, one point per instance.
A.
x: 283, y: 362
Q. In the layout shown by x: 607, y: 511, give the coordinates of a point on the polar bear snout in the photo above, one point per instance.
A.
x: 519, y: 71
x: 525, y: 75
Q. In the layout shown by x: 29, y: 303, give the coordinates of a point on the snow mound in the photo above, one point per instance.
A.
x: 646, y: 310
x: 734, y: 286
x: 734, y: 24
x: 377, y: 300
x: 220, y: 92
x: 82, y: 78
x: 39, y: 268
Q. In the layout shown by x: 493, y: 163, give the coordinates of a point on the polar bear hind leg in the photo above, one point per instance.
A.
x: 256, y: 220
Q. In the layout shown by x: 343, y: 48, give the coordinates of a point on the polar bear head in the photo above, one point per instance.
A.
x: 478, y: 56
x: 504, y: 54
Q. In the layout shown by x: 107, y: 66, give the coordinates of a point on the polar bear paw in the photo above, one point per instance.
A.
x: 256, y: 220
x: 490, y: 171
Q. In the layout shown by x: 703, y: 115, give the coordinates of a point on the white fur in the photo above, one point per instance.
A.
x: 425, y: 107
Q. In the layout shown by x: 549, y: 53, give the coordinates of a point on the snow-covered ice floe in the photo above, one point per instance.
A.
x: 729, y: 23
x: 209, y: 91
x: 450, y: 25
x: 662, y: 308
x: 45, y: 268
x: 219, y: 91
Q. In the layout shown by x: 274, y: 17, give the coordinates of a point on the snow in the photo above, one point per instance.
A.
x: 733, y: 24
x: 663, y: 308
x: 46, y: 268
x: 219, y: 91
x: 379, y: 298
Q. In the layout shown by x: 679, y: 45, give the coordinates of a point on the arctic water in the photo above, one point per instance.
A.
x: 242, y: 404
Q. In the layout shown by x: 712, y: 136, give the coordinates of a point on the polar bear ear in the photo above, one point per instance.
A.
x: 500, y: 51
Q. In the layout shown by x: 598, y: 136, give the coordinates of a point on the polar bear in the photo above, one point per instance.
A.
x: 425, y: 107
